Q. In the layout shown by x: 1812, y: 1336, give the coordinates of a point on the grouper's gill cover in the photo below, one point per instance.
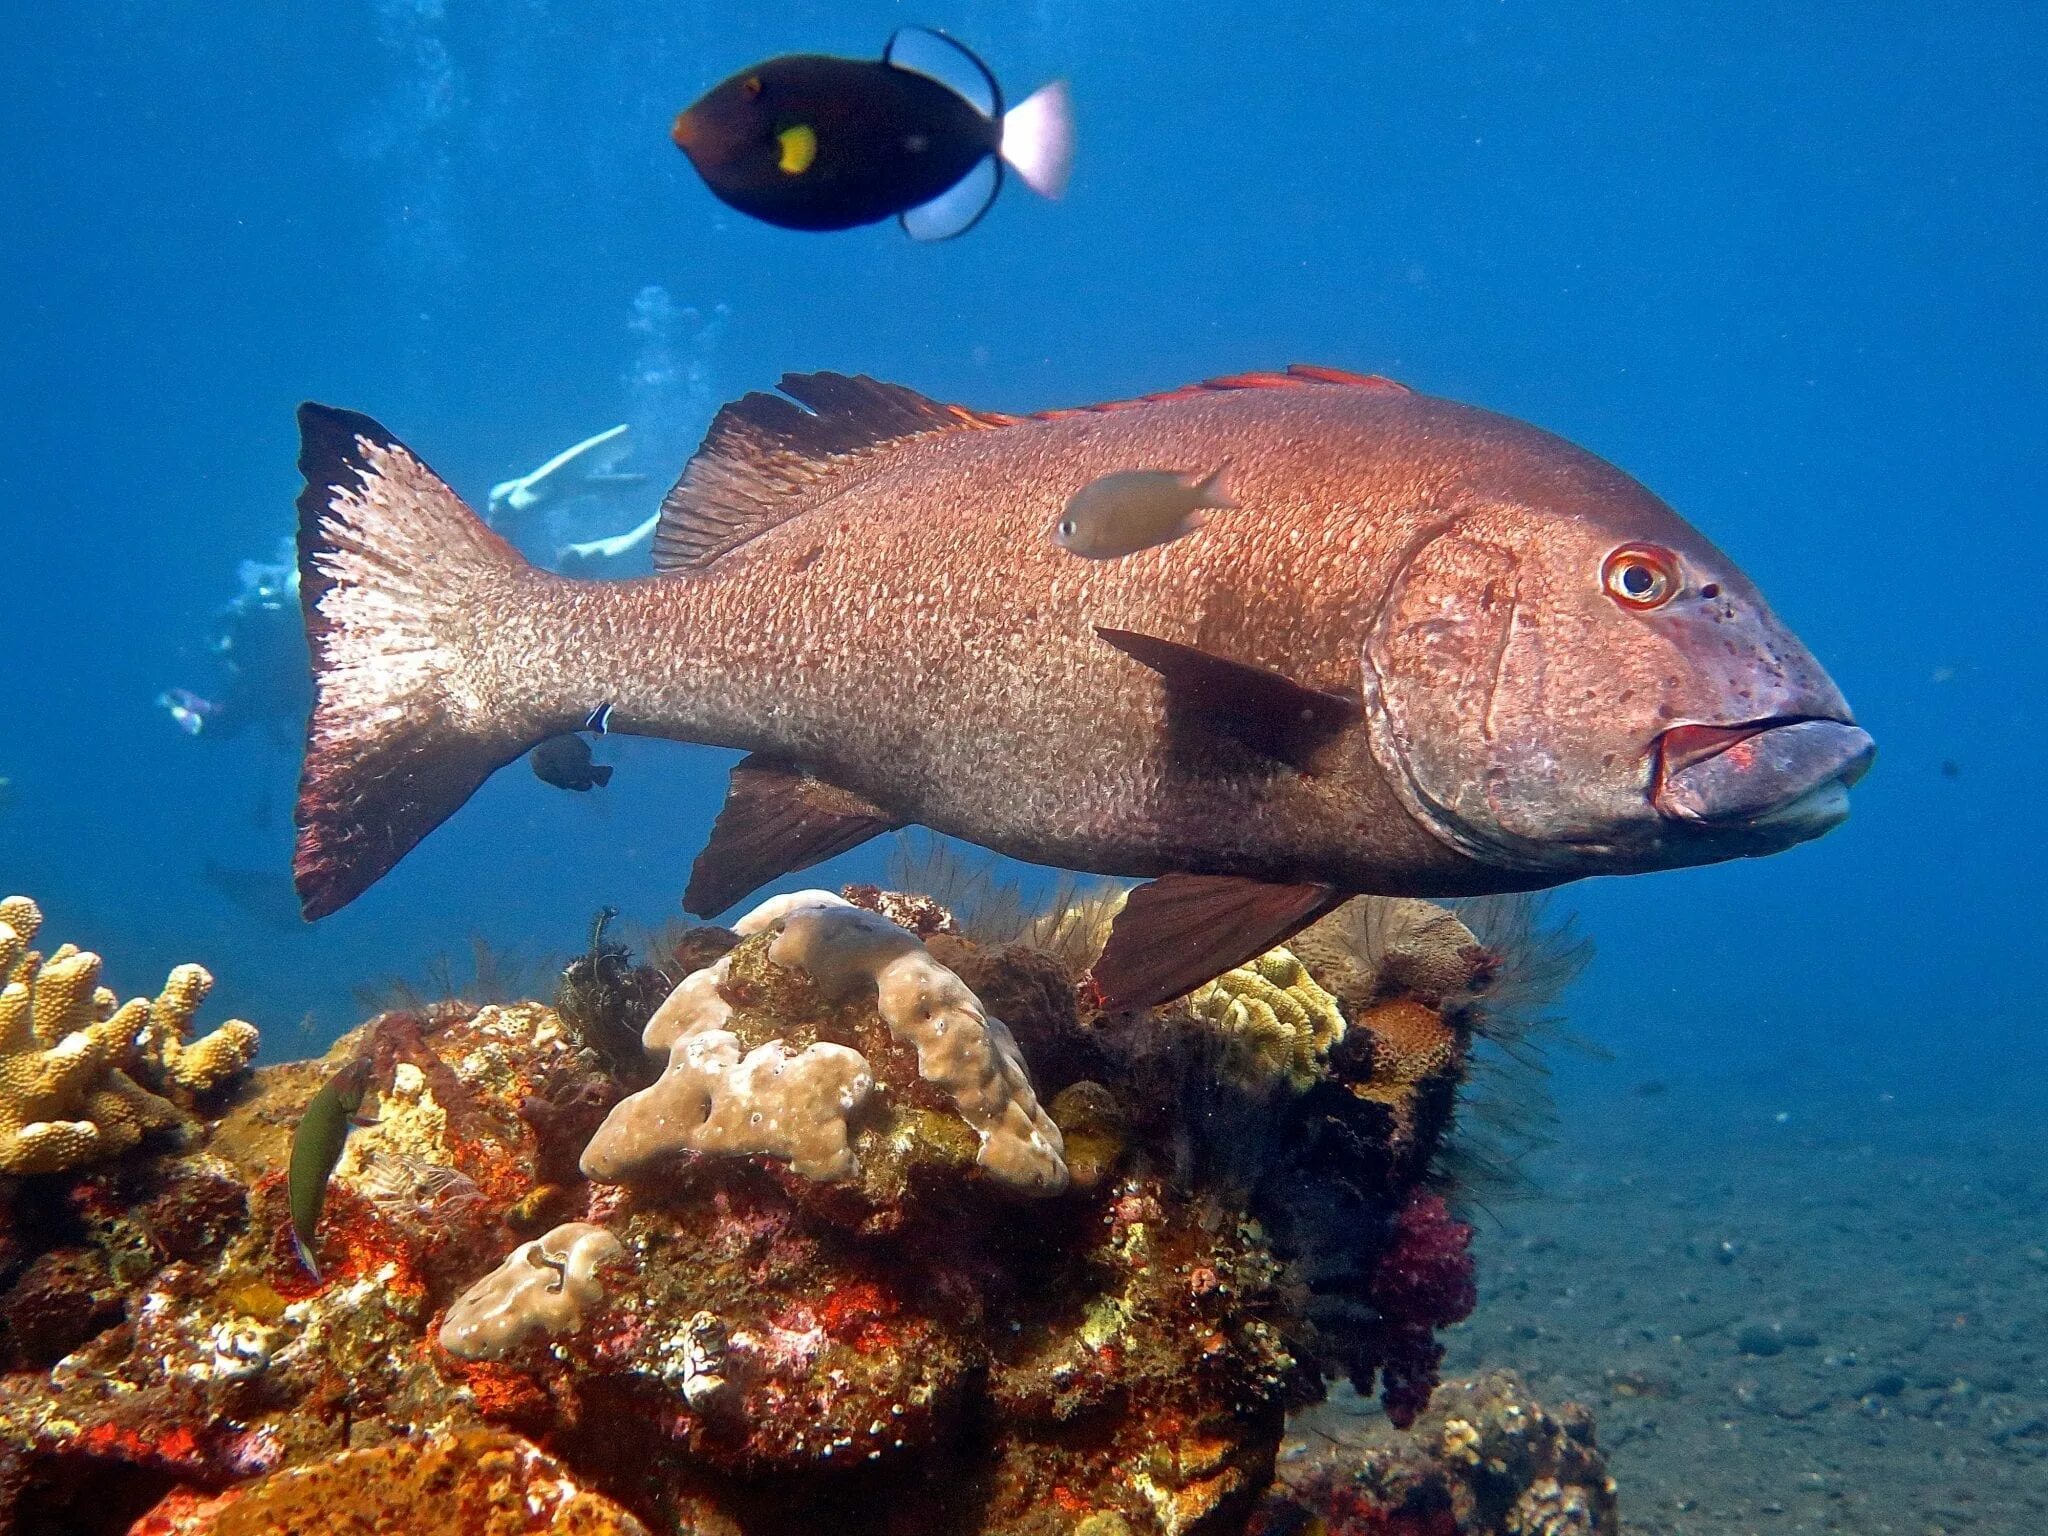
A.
x: 1442, y: 653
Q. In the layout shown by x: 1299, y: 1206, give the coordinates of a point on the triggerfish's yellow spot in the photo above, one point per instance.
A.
x: 799, y: 149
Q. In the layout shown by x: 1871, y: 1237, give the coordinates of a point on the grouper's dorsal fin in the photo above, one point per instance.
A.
x: 1296, y: 376
x: 777, y: 818
x: 767, y: 458
x: 1287, y: 721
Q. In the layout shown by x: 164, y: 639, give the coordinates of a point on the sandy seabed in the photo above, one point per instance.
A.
x: 1833, y: 1321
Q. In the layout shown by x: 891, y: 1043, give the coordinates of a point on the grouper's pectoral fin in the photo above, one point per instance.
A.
x: 777, y: 818
x: 1269, y: 713
x: 1178, y: 931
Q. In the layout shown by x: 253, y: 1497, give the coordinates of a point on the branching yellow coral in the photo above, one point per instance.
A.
x: 1274, y: 1019
x: 70, y: 1058
x: 195, y: 1066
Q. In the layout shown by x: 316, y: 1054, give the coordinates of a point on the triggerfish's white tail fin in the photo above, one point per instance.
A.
x: 408, y: 599
x: 1038, y: 139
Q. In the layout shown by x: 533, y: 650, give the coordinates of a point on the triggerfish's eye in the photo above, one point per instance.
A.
x: 752, y: 87
x: 1640, y: 576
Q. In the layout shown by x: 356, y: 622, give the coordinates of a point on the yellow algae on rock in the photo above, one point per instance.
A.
x: 1274, y: 1020
x: 73, y: 1065
x: 409, y: 1127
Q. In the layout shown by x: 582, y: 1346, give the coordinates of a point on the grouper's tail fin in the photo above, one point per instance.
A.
x: 398, y: 580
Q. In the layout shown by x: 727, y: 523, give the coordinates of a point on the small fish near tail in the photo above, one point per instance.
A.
x: 398, y: 579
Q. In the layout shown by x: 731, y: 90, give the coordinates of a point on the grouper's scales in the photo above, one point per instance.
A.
x: 916, y: 636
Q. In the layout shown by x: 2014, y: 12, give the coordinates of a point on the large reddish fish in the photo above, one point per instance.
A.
x: 1439, y: 653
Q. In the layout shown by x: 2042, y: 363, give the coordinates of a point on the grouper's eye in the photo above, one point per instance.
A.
x: 1640, y: 576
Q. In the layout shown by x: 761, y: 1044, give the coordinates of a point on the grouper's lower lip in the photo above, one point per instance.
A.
x: 1787, y: 778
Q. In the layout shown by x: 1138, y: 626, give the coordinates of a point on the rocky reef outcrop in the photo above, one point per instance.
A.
x: 1486, y: 1460
x: 889, y: 1226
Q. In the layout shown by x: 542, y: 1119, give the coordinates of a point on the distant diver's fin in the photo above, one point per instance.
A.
x: 929, y: 52
x: 768, y: 458
x: 777, y: 818
x: 1178, y: 931
x: 603, y: 449
x: 1269, y: 713
x: 393, y: 570
x: 612, y: 547
x: 959, y: 208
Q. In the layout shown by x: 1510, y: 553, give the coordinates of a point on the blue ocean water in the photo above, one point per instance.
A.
x: 1783, y: 263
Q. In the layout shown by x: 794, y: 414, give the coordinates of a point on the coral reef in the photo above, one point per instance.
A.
x: 1487, y: 1461
x: 1275, y: 1018
x: 713, y: 1099
x: 543, y: 1287
x: 838, y: 1262
x: 82, y: 1080
x: 795, y: 1104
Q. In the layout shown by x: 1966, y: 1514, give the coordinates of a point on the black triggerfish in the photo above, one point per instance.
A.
x: 813, y: 142
x: 1450, y: 654
x: 316, y: 1148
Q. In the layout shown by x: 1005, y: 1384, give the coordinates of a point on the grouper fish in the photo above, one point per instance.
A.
x: 1446, y: 654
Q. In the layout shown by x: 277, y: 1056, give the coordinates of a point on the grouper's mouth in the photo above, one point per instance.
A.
x: 1786, y: 778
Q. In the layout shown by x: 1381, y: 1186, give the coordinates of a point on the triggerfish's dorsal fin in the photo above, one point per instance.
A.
x: 777, y: 818
x: 767, y: 458
x: 1269, y: 713
x: 1178, y: 931
x: 929, y: 52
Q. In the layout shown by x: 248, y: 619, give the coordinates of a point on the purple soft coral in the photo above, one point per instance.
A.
x: 1423, y: 1282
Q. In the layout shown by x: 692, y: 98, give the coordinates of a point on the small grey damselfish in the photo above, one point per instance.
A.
x: 1133, y: 509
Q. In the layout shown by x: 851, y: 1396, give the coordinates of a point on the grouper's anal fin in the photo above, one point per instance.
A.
x: 1178, y: 931
x: 777, y: 819
x: 1285, y: 720
x: 768, y: 458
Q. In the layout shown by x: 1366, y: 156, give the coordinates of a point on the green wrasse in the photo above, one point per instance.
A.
x: 316, y: 1148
